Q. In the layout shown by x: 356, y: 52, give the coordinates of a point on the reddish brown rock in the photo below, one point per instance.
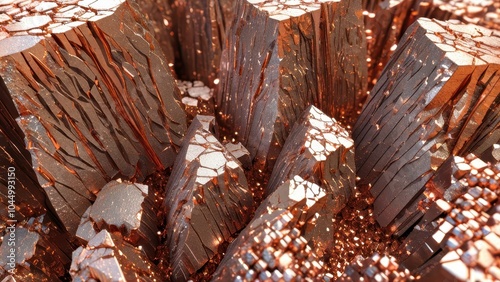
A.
x: 200, y: 27
x: 281, y: 57
x: 384, y: 24
x: 126, y: 208
x: 276, y: 243
x: 207, y: 200
x: 93, y: 98
x: 436, y: 97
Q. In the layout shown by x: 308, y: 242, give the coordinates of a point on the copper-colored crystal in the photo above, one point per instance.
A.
x: 207, y: 200
x: 108, y: 258
x: 200, y: 28
x: 281, y: 57
x: 93, y: 97
x: 37, y: 255
x: 384, y: 23
x: 274, y: 245
x: 458, y: 239
x: 321, y: 151
x: 126, y: 208
x: 484, y: 13
x: 437, y: 96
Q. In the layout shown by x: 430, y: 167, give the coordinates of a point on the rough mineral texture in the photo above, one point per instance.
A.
x: 126, y: 208
x: 207, y: 199
x: 276, y: 243
x: 319, y: 150
x: 457, y: 237
x: 384, y: 23
x: 200, y: 28
x: 38, y: 255
x: 93, y: 96
x: 108, y: 258
x: 241, y: 153
x: 438, y: 96
x: 159, y: 13
x: 376, y: 268
x: 281, y: 57
x: 485, y: 12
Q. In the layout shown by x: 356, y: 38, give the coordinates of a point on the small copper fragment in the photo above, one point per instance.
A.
x: 207, y: 200
x: 277, y: 242
x: 281, y: 57
x: 376, y: 268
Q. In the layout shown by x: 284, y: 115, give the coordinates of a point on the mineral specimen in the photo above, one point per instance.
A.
x: 376, y: 268
x: 384, y: 23
x: 207, y: 199
x: 126, y: 208
x: 281, y: 57
x: 93, y: 97
x: 274, y: 245
x: 321, y: 151
x: 437, y: 97
x: 108, y: 258
x: 485, y: 13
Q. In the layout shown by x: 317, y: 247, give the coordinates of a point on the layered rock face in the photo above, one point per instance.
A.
x: 249, y: 140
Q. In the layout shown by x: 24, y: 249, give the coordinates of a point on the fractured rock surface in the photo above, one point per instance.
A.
x: 38, y: 251
x: 200, y: 28
x: 207, y: 199
x: 126, y: 208
x: 108, y: 258
x: 281, y: 57
x: 93, y: 95
x: 319, y: 150
x: 275, y: 244
x: 484, y: 13
x: 437, y: 96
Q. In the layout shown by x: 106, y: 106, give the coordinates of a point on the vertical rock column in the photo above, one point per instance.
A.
x: 281, y: 57
x: 438, y: 96
x: 93, y: 96
x: 207, y: 201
